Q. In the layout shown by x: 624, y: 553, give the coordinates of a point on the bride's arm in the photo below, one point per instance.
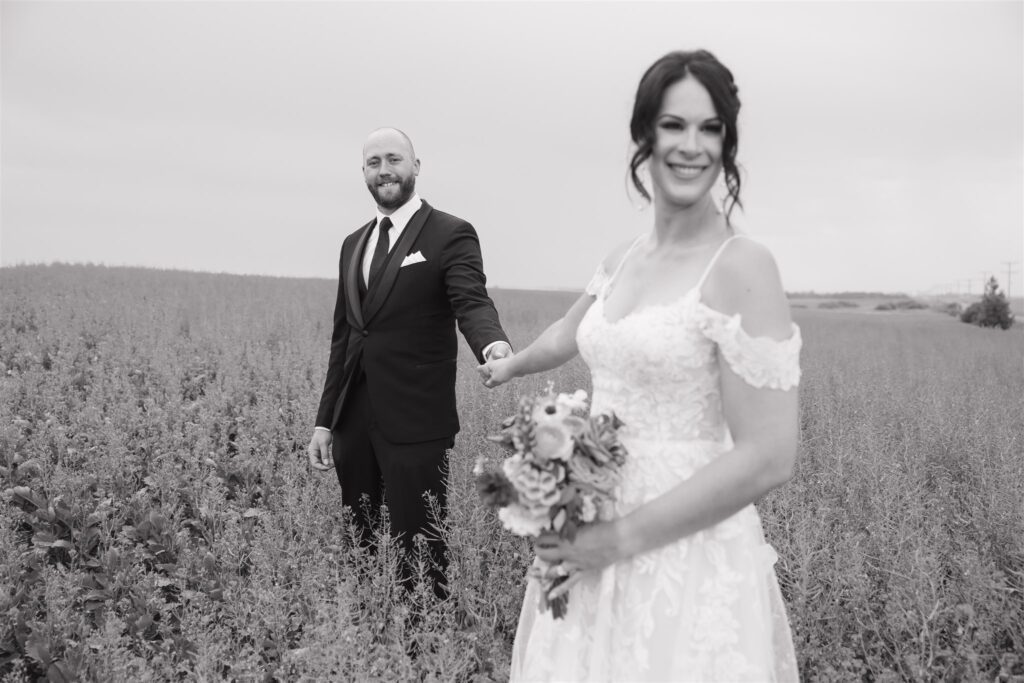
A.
x: 763, y: 423
x: 555, y: 345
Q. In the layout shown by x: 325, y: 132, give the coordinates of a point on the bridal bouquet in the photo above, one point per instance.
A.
x: 563, y: 470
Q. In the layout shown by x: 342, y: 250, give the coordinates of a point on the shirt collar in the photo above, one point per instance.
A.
x: 401, y: 216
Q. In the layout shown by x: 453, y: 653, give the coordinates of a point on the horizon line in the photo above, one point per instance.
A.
x: 790, y: 294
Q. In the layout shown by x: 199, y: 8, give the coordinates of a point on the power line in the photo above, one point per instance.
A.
x: 1009, y: 274
x: 985, y: 275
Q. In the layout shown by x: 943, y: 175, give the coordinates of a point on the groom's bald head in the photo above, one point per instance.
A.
x: 389, y: 135
x: 390, y: 168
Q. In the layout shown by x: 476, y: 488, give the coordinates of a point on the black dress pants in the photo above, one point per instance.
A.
x: 373, y: 470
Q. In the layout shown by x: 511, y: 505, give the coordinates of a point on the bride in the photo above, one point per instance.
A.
x: 688, y: 337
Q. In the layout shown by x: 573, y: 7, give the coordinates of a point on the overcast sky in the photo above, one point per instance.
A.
x: 882, y: 143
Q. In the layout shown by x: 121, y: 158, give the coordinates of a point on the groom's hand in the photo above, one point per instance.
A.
x: 496, y: 372
x: 498, y: 350
x: 319, y: 450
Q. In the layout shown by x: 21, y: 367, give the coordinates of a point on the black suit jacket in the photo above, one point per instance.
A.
x: 402, y: 334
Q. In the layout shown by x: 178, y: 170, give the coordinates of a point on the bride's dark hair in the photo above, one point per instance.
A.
x: 717, y: 79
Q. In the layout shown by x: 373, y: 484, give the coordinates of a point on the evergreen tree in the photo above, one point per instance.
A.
x: 992, y: 311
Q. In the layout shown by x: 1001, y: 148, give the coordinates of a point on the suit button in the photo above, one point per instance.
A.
x: 365, y: 333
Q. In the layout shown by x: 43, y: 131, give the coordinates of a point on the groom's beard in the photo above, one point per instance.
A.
x: 406, y: 188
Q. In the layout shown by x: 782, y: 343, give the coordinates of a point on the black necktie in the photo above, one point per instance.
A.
x: 381, y: 251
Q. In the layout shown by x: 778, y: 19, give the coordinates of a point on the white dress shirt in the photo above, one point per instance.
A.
x: 399, y: 219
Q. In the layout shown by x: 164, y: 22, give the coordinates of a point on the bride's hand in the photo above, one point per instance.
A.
x: 496, y: 371
x: 596, y: 547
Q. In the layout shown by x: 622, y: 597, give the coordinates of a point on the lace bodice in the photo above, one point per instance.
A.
x: 658, y: 367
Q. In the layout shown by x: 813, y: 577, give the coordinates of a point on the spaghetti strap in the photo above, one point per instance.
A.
x: 622, y: 261
x: 714, y: 259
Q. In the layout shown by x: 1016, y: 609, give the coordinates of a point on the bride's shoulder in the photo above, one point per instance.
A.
x: 746, y: 257
x: 746, y: 280
x: 614, y: 258
x: 606, y: 269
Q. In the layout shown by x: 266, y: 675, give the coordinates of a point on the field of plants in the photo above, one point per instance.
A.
x: 158, y: 520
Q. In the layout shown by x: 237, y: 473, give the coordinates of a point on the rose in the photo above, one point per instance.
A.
x: 552, y: 442
x: 599, y: 440
x: 597, y: 476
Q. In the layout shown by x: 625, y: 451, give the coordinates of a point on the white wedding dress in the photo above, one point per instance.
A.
x: 707, y: 607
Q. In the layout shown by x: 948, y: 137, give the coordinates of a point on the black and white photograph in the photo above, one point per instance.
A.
x: 508, y: 340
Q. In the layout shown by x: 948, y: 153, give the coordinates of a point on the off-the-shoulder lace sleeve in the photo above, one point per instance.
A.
x: 760, y: 361
x: 598, y: 282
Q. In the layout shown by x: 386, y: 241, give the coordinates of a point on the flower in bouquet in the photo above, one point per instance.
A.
x: 536, y: 483
x: 563, y: 470
x: 494, y: 488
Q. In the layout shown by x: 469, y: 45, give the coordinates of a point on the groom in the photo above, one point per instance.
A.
x: 387, y: 415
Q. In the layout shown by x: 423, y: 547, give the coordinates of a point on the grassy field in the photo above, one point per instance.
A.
x: 159, y: 521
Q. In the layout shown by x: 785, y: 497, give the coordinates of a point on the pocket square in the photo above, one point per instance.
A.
x: 415, y: 257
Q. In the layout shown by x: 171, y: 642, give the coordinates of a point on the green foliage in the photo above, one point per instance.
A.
x: 993, y: 310
x: 159, y: 521
x: 951, y: 308
x: 845, y: 295
x: 901, y: 305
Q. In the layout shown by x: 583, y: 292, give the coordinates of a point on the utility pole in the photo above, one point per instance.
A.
x: 1010, y: 266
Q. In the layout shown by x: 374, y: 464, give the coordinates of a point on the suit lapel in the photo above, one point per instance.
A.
x: 354, y: 272
x: 375, y: 298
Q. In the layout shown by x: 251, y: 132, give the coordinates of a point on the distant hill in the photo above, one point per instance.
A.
x: 846, y: 295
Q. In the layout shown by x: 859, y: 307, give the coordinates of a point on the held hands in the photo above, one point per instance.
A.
x: 497, y: 370
x: 319, y: 450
